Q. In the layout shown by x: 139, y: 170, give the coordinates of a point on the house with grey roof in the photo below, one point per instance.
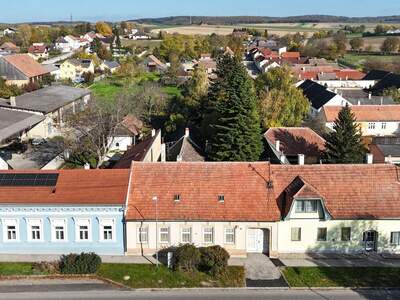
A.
x: 109, y: 65
x: 185, y: 149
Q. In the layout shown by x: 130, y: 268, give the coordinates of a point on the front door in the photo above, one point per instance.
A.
x: 370, y: 239
x: 257, y: 240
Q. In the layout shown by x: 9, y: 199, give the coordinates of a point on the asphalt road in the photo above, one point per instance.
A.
x: 210, y: 295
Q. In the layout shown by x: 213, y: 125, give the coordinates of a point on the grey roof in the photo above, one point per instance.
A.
x: 85, y: 63
x: 390, y: 150
x: 13, y: 122
x: 48, y: 99
x: 185, y: 149
x: 51, y: 68
x: 111, y: 64
x: 327, y: 76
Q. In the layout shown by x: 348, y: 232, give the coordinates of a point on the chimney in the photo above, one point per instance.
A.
x: 187, y: 132
x: 153, y: 133
x: 87, y: 166
x: 278, y: 145
x: 282, y: 159
x: 301, y: 159
x: 370, y: 158
x: 370, y: 96
x: 13, y: 101
x: 359, y: 103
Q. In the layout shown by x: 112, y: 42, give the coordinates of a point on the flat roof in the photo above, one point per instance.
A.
x: 47, y: 99
x: 14, y: 122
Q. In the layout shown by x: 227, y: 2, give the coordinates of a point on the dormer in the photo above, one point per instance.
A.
x: 303, y: 201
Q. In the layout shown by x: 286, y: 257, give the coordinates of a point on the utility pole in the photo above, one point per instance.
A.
x: 70, y: 18
x: 155, y: 198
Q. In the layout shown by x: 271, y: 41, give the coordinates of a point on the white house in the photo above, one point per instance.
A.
x: 9, y: 31
x: 374, y: 120
x: 263, y: 208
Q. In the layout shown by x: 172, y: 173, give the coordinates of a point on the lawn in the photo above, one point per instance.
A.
x: 342, y: 277
x: 149, y: 276
x: 12, y: 269
x: 357, y: 59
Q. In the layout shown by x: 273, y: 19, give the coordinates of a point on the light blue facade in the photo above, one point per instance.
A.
x: 61, y: 229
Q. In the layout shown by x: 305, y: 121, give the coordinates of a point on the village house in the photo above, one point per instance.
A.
x: 373, y: 120
x: 385, y: 150
x: 153, y: 64
x: 38, y: 51
x: 9, y: 31
x: 10, y: 48
x: 21, y: 69
x: 74, y: 69
x: 262, y: 208
x: 294, y: 145
x: 110, y: 66
x: 185, y: 149
x: 61, y: 212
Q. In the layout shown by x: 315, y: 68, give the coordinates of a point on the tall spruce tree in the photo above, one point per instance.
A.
x: 344, y: 145
x: 235, y: 123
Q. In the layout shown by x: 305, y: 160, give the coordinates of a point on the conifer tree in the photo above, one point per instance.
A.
x: 235, y: 123
x: 344, y: 144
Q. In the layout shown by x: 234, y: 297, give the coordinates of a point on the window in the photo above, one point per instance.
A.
x: 371, y: 125
x: 296, y: 234
x: 177, y: 198
x: 11, y: 233
x: 395, y: 238
x: 164, y: 235
x: 346, y: 234
x: 10, y: 230
x: 208, y: 235
x: 107, y: 230
x: 383, y: 125
x: 35, y: 230
x: 306, y: 206
x: 143, y: 235
x: 83, y: 230
x: 221, y: 198
x: 322, y: 234
x: 59, y: 230
x: 186, y: 235
x: 229, y: 236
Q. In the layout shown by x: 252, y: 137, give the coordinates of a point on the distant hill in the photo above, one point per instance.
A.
x: 184, y: 20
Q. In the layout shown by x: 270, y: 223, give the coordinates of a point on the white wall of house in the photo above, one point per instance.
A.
x: 332, y: 84
x: 375, y: 128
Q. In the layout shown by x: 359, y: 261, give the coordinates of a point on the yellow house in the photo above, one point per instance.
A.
x: 73, y: 68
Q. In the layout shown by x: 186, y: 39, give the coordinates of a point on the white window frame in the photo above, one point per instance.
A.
x: 306, y: 206
x: 78, y: 224
x: 10, y: 222
x: 232, y: 233
x: 395, y: 238
x: 185, y: 231
x: 208, y: 233
x: 59, y: 223
x: 384, y: 125
x: 103, y: 223
x: 297, y: 231
x: 34, y: 222
x: 142, y: 230
x: 168, y: 232
x: 371, y: 125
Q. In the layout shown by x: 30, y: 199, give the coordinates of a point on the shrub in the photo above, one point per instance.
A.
x: 187, y: 258
x: 47, y: 267
x: 84, y: 263
x: 213, y: 260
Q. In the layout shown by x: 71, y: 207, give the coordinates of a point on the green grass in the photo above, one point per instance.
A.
x: 342, y: 277
x: 105, y: 89
x: 149, y: 276
x: 358, y: 59
x: 172, y: 91
x: 18, y: 269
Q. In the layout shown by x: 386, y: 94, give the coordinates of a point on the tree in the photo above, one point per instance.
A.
x: 91, y: 132
x: 104, y: 28
x: 281, y: 103
x: 25, y: 33
x: 357, y: 43
x: 236, y: 127
x: 344, y: 144
x: 394, y: 93
x: 391, y: 44
x: 117, y: 37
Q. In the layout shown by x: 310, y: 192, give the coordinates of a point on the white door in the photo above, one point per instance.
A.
x: 255, y: 240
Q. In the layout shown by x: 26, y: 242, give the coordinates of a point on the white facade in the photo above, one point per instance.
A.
x: 359, y: 84
x: 377, y: 128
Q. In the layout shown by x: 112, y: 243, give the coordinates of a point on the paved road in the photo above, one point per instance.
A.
x: 211, y: 295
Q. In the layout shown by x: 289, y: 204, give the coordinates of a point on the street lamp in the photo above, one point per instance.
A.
x: 155, y: 198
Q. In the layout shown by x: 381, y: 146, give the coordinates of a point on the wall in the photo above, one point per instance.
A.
x: 392, y: 128
x: 70, y: 213
x: 134, y: 247
x: 334, y: 244
x: 154, y: 153
x: 364, y: 84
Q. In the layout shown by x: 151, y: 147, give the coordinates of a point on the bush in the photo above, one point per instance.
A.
x: 47, y: 267
x: 84, y: 263
x: 213, y: 260
x: 187, y: 258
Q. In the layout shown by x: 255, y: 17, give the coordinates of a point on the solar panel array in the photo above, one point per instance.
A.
x: 28, y: 179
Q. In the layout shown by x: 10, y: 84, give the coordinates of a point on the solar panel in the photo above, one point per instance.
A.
x: 28, y: 179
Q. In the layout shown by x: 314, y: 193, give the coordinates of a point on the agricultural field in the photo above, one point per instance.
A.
x: 140, y: 43
x: 358, y: 60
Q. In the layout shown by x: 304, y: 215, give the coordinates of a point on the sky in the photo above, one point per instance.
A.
x: 115, y: 10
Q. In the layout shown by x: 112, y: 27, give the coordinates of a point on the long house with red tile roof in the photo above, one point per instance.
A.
x: 245, y: 207
x: 257, y: 207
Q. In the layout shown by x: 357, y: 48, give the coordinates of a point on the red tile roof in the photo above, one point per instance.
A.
x: 26, y: 64
x: 349, y: 74
x: 37, y: 49
x: 296, y: 140
x: 290, y: 55
x: 82, y: 187
x: 366, y: 113
x: 257, y: 191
